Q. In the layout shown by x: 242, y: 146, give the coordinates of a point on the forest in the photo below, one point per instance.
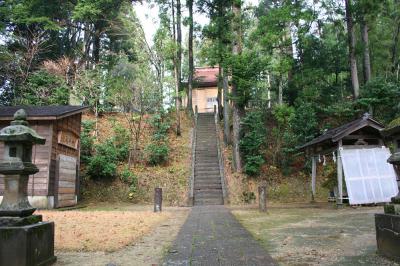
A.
x: 288, y: 69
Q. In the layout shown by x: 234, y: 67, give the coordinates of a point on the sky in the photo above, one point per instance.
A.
x: 148, y: 16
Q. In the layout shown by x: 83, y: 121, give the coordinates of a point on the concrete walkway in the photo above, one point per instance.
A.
x: 211, y: 236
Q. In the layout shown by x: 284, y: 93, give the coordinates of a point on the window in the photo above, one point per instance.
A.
x: 211, y: 101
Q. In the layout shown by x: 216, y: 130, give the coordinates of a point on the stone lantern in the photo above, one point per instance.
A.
x: 24, y: 238
x: 387, y: 223
x: 18, y: 139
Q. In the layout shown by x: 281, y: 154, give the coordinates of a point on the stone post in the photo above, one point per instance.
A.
x: 157, y: 199
x: 262, y: 198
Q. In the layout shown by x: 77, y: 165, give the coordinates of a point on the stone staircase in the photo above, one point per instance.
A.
x: 207, y: 178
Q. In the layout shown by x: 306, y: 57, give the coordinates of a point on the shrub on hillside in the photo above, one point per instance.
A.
x: 252, y: 142
x: 100, y: 167
x: 87, y: 140
x: 158, y: 150
x: 103, y: 165
x: 157, y: 153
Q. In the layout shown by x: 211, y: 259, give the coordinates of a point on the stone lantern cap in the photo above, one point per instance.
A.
x: 19, y: 131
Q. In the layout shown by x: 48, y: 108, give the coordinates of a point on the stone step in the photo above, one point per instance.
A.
x: 210, y: 159
x: 208, y: 191
x: 211, y: 181
x: 208, y: 195
x: 208, y: 201
x: 210, y: 164
x: 207, y: 186
x: 205, y: 168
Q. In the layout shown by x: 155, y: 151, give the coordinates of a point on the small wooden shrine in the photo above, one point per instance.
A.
x: 57, y: 182
x: 364, y: 132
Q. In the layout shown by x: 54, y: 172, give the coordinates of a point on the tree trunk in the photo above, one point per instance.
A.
x: 352, y: 51
x: 366, y: 57
x: 179, y: 46
x: 219, y: 95
x: 280, y: 90
x: 96, y: 45
x: 227, y: 126
x: 191, y: 65
x: 238, y: 109
x: 177, y: 76
x: 394, y: 49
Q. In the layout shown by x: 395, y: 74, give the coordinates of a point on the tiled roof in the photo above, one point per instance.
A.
x: 206, y: 76
x: 337, y: 133
x: 53, y: 111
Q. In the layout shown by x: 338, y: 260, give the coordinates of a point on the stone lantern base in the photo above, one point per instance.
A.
x: 388, y: 235
x: 28, y: 244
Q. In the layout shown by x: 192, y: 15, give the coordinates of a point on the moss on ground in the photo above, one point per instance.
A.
x: 301, y: 235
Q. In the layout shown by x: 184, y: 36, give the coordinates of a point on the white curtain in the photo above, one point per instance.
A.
x: 369, y: 177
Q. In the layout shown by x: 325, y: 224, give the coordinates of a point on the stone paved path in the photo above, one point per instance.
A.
x: 211, y: 236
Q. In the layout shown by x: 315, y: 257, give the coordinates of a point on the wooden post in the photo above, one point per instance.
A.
x: 262, y: 198
x: 313, y: 177
x: 339, y: 199
x: 157, y: 199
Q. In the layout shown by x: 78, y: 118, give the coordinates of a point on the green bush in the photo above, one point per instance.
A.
x: 157, y: 153
x: 100, y: 167
x: 252, y: 142
x: 158, y: 150
x: 43, y: 88
x: 121, y: 142
x: 87, y: 140
x: 128, y: 177
x: 253, y: 164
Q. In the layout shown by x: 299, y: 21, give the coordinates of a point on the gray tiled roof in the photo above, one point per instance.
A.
x: 334, y: 133
x: 41, y: 111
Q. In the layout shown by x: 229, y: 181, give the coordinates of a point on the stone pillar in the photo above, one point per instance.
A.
x: 157, y: 199
x: 262, y: 198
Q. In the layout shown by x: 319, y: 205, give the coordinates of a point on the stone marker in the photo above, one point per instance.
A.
x: 157, y: 199
x: 24, y: 238
x: 262, y: 198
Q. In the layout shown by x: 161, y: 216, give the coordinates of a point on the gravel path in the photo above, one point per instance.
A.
x: 212, y: 236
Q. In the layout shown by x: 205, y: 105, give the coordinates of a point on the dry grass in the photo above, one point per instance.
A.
x: 281, y: 188
x: 101, y: 230
x: 172, y: 177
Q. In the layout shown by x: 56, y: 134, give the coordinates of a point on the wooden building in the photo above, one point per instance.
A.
x: 57, y: 182
x: 205, y: 89
x: 364, y: 132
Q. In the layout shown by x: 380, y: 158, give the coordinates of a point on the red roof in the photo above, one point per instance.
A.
x: 206, y: 76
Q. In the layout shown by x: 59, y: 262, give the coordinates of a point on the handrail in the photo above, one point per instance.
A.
x: 194, y: 140
x: 220, y: 159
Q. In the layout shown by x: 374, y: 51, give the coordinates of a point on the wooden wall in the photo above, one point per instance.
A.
x: 38, y: 183
x: 55, y: 178
x: 65, y: 176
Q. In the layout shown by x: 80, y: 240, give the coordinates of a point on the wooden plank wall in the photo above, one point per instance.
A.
x: 65, y: 181
x: 71, y: 124
x: 38, y: 183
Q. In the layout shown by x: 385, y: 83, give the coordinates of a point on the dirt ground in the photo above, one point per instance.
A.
x: 318, y: 234
x: 101, y: 230
x: 148, y: 249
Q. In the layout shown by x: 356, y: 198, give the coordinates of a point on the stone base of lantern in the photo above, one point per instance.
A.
x: 388, y: 235
x: 27, y: 245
